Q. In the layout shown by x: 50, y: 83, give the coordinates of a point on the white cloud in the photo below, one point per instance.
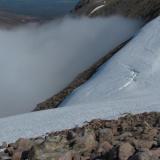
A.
x: 38, y: 61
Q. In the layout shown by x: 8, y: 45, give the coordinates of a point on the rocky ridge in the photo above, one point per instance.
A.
x: 133, y: 137
x: 144, y: 9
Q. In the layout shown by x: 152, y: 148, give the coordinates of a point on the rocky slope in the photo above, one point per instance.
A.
x: 9, y: 19
x: 146, y: 9
x: 129, y: 138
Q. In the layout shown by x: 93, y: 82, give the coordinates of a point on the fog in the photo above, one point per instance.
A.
x: 38, y: 61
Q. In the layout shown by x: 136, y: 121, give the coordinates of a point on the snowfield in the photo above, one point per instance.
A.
x: 129, y: 82
x: 130, y: 79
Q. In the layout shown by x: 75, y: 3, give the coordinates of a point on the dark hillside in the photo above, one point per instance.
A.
x: 146, y: 9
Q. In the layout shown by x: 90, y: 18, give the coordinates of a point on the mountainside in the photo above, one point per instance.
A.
x: 146, y: 9
x: 8, y: 19
x: 126, y: 83
x: 87, y: 123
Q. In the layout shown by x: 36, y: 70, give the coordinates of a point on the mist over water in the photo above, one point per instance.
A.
x: 39, y: 8
x: 36, y: 62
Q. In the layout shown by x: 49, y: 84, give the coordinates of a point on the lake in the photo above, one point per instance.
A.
x: 40, y: 8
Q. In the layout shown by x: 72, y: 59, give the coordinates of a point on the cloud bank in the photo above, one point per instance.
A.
x: 38, y: 61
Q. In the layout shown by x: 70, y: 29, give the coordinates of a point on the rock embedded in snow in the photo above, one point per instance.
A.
x: 156, y: 152
x: 144, y: 155
x: 126, y: 150
x: 104, y: 147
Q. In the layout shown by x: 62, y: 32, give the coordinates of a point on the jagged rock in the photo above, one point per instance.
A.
x: 10, y: 151
x: 106, y: 135
x: 70, y: 156
x: 125, y: 135
x: 143, y: 144
x: 90, y: 142
x: 104, y: 148
x: 158, y: 139
x: 126, y: 150
x: 156, y: 152
x: 39, y: 140
x: 53, y: 147
x: 86, y: 143
x: 143, y: 155
x: 17, y: 155
x: 23, y: 144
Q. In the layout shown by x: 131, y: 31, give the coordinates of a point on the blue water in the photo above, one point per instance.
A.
x: 43, y: 8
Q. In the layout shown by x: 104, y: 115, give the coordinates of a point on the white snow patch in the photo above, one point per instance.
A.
x: 132, y: 78
x: 96, y: 9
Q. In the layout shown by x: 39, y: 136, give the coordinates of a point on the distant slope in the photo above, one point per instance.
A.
x: 21, y: 12
x: 9, y: 19
x: 146, y: 9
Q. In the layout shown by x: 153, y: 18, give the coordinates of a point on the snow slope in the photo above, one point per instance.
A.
x: 131, y: 77
x: 129, y: 82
